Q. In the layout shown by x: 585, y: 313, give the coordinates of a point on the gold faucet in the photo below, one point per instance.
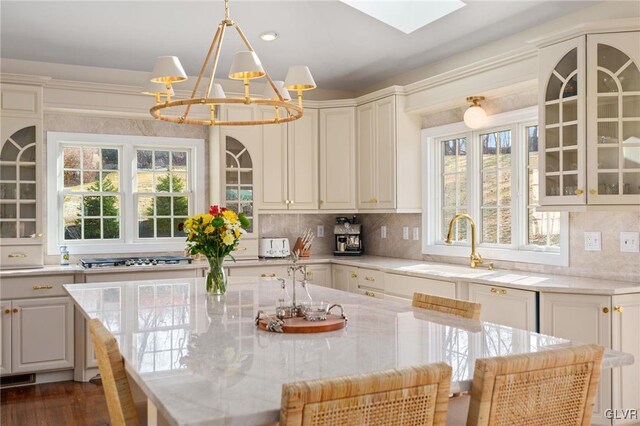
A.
x: 476, y: 259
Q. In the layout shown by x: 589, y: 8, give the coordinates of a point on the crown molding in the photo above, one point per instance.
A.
x: 379, y: 94
x: 594, y: 27
x: 33, y: 80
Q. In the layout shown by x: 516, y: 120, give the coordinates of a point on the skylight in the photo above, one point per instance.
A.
x: 406, y: 15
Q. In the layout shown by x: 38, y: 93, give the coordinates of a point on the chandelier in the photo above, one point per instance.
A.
x: 246, y: 66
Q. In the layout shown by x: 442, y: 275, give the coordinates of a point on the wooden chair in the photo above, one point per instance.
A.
x: 555, y: 387
x: 461, y: 308
x: 411, y: 396
x: 122, y: 409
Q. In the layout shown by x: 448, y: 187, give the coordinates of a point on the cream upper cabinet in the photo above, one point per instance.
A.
x: 337, y: 158
x: 585, y: 319
x: 506, y: 306
x: 589, y: 139
x: 20, y: 176
x: 290, y: 164
x: 613, y: 118
x: 388, y: 144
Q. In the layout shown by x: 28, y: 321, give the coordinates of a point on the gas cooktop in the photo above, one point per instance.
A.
x: 106, y: 262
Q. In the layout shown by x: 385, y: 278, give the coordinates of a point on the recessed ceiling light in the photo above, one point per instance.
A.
x: 269, y: 35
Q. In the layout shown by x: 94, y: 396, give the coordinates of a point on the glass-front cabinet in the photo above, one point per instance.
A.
x: 20, y: 179
x: 590, y: 121
x: 613, y: 118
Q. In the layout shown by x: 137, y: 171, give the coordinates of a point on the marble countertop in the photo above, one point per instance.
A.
x: 201, y: 360
x: 417, y: 268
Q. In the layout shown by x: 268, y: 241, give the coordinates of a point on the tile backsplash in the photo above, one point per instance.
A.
x: 609, y: 263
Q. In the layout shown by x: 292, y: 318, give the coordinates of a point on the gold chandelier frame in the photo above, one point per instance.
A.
x: 293, y: 111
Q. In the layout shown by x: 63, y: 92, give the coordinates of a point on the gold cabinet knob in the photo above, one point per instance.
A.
x: 7, y: 311
x: 286, y: 201
x: 321, y: 201
x: 503, y: 292
x: 594, y: 192
x: 579, y: 191
x: 291, y: 201
x: 494, y: 290
x: 309, y: 274
x: 369, y: 278
x: 605, y: 310
x: 354, y: 275
x: 15, y: 310
x: 370, y: 293
x: 618, y: 309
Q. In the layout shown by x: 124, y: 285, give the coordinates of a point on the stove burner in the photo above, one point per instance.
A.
x: 105, y: 262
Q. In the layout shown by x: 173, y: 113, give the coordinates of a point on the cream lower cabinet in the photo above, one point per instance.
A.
x: 593, y: 319
x: 5, y: 337
x: 266, y: 271
x: 506, y: 306
x: 403, y: 286
x: 345, y: 278
x: 319, y: 275
x: 41, y: 335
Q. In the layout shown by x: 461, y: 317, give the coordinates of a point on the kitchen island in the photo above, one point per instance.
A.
x: 201, y: 360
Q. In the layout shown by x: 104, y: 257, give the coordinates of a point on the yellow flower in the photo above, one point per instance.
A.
x: 237, y: 232
x: 207, y: 218
x: 209, y: 229
x: 228, y: 239
x: 230, y: 216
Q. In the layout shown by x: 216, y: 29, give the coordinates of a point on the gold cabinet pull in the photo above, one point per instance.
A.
x: 36, y: 235
x: 594, y: 192
x: 370, y: 293
x: 309, y: 274
x: 503, y: 292
x: 605, y: 310
x: 267, y: 275
x: 43, y: 287
x: 498, y: 291
x: 579, y: 191
x: 618, y: 309
x: 15, y: 310
x: 7, y: 311
x: 354, y: 275
x: 494, y: 290
x: 17, y: 255
x: 240, y: 249
x: 369, y: 278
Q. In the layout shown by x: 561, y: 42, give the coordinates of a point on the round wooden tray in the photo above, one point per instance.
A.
x: 301, y: 325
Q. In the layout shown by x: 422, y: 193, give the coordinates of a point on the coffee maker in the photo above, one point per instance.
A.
x: 348, y: 236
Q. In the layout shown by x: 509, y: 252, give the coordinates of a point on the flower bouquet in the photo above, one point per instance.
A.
x: 215, y: 235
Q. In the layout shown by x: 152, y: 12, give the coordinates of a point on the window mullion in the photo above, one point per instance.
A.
x: 516, y: 185
x: 474, y: 185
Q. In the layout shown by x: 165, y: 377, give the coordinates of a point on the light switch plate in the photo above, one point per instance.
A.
x: 416, y: 233
x: 405, y: 232
x: 629, y: 242
x: 320, y: 232
x: 593, y: 241
x: 383, y: 231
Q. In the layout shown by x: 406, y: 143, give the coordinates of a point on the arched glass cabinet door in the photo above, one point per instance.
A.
x: 614, y: 118
x: 18, y: 184
x: 239, y: 189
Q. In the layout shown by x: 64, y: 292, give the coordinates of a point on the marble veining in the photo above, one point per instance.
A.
x: 201, y: 360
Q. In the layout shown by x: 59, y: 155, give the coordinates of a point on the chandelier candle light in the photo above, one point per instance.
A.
x: 246, y: 66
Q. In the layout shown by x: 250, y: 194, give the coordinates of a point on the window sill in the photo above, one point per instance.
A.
x: 491, y: 253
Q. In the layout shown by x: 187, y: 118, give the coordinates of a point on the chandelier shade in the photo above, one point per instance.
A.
x: 168, y: 69
x: 153, y: 88
x: 269, y: 93
x: 246, y: 66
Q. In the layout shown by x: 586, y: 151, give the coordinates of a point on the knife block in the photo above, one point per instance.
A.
x: 298, y: 247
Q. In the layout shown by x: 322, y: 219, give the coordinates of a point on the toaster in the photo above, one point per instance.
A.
x: 274, y: 247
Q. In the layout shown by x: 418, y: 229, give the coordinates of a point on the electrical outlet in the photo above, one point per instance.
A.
x: 629, y: 242
x: 593, y: 241
x: 320, y: 232
x: 383, y: 231
x: 416, y: 233
x: 405, y: 232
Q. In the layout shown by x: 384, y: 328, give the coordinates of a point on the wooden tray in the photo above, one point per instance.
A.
x: 301, y: 325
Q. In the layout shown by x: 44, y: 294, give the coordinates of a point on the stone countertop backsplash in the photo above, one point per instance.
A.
x: 416, y: 268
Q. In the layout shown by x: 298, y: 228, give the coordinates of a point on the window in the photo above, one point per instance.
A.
x: 492, y: 175
x: 127, y: 193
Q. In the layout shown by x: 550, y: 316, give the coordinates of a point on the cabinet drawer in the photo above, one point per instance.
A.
x: 21, y: 256
x: 405, y: 286
x: 265, y: 271
x: 371, y: 292
x: 370, y: 278
x: 38, y: 286
x: 506, y: 306
x: 141, y: 275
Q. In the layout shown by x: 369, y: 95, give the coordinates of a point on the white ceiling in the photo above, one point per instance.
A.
x: 345, y: 48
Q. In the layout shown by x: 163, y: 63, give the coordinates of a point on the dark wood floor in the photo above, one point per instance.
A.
x: 53, y: 404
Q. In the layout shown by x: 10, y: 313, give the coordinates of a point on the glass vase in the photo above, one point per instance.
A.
x: 216, y: 277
